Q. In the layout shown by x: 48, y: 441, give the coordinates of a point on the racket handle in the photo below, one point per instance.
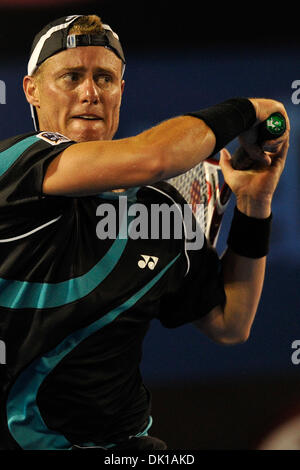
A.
x: 270, y: 129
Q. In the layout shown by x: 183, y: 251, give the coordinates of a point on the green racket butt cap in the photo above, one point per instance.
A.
x: 272, y: 127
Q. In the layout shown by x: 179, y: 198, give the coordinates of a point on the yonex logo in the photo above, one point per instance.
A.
x: 149, y: 261
x: 2, y: 92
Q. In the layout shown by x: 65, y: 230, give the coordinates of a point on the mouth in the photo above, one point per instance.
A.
x: 88, y: 117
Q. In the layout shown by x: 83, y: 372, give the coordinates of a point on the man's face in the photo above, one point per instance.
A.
x: 79, y: 93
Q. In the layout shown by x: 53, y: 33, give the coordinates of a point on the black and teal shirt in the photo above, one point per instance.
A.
x: 74, y: 309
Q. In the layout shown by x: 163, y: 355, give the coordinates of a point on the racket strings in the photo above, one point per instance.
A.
x: 200, y: 187
x: 194, y: 188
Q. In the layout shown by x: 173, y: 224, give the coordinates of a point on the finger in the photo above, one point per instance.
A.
x: 248, y: 141
x: 274, y: 145
x: 256, y: 153
x: 225, y: 161
x: 242, y: 160
x: 279, y: 157
x: 225, y: 157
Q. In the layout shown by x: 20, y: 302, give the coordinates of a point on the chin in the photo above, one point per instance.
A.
x: 86, y: 136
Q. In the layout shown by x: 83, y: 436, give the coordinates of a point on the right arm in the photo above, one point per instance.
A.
x: 162, y: 152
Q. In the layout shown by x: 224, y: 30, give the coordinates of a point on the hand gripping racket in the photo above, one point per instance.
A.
x: 200, y: 185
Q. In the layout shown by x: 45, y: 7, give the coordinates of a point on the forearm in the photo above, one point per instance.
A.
x: 244, y: 277
x: 243, y: 283
x: 181, y: 143
x: 244, y: 264
x: 231, y: 323
x: 244, y: 273
x: 185, y: 141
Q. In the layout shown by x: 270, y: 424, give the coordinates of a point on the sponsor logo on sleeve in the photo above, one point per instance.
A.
x: 53, y: 138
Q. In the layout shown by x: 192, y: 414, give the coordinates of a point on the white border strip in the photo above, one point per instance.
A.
x: 37, y: 50
x: 185, y: 235
x: 24, y: 235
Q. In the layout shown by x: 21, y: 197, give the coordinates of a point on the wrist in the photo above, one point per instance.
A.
x: 260, y: 209
x: 228, y: 119
x: 249, y: 236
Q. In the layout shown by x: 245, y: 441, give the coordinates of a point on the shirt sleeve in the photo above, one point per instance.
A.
x: 23, y: 164
x: 190, y: 298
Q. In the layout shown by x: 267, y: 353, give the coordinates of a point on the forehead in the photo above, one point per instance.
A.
x: 89, y: 57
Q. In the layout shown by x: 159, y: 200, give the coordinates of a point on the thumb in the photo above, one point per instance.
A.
x: 225, y: 160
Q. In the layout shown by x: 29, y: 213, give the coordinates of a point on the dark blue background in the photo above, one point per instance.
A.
x: 163, y: 84
x: 170, y: 70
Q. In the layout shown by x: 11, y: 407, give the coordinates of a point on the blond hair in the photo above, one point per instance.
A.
x: 90, y: 24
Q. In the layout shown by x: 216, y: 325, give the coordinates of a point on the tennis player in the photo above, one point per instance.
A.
x: 74, y: 309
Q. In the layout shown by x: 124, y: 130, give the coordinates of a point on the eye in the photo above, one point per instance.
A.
x: 103, y: 80
x: 71, y: 77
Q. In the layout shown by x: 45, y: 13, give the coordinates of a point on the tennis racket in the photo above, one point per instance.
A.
x: 201, y: 186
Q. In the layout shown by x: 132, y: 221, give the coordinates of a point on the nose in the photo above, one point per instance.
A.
x: 88, y: 91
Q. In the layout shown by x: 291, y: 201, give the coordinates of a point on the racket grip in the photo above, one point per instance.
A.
x: 270, y: 129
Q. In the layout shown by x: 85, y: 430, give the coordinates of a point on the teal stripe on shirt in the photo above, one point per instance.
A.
x: 25, y: 422
x: 25, y: 294
x: 9, y: 156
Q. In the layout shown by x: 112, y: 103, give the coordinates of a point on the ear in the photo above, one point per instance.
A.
x: 122, y: 86
x: 31, y: 90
